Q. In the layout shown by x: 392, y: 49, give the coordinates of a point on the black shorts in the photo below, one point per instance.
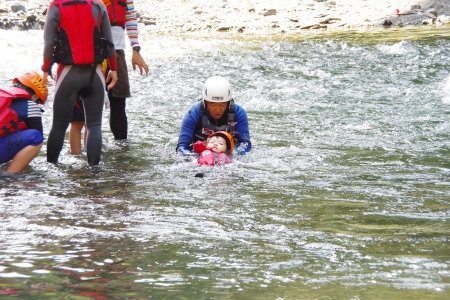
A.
x: 78, y: 111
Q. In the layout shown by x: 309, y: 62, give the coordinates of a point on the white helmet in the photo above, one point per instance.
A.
x: 217, y: 89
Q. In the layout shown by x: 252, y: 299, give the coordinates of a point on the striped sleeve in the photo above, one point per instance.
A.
x: 131, y: 24
x: 34, y: 110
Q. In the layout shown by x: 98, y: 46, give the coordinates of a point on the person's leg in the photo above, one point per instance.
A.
x: 118, y: 121
x: 93, y: 107
x: 75, y: 136
x: 68, y: 84
x: 21, y: 151
x: 118, y: 118
x: 23, y: 158
x: 77, y: 123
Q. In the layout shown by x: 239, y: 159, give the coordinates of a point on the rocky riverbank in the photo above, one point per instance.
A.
x: 256, y: 16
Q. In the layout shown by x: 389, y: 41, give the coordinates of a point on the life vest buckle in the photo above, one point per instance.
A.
x: 58, y: 43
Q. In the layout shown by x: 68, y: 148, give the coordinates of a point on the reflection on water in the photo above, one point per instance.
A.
x: 345, y: 194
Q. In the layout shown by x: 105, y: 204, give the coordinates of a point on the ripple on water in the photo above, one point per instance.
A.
x: 346, y: 184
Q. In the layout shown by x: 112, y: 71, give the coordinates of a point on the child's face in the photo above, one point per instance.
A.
x: 217, y: 144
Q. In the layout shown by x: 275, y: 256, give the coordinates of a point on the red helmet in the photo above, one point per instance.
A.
x: 35, y: 82
x: 228, y: 139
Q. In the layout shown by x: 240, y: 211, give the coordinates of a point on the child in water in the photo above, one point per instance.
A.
x: 216, y: 150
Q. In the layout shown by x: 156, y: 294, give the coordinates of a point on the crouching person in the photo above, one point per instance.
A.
x: 21, y: 130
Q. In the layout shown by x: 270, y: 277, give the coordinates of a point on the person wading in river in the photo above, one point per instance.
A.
x: 215, y: 111
x: 122, y: 16
x: 78, y: 35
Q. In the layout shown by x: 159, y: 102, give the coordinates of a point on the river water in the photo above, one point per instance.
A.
x: 345, y: 194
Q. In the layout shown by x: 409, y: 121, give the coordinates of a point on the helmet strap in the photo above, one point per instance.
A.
x: 36, y: 99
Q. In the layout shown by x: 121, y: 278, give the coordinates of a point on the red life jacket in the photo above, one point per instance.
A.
x: 116, y: 11
x: 208, y: 157
x: 79, y: 41
x: 9, y: 119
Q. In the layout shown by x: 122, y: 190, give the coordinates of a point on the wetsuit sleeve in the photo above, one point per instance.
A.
x: 187, y: 130
x: 106, y: 31
x: 50, y: 32
x: 243, y: 144
x: 199, y: 147
x: 34, y: 116
x: 35, y: 123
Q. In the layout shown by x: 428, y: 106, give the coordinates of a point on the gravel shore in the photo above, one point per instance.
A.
x: 254, y: 16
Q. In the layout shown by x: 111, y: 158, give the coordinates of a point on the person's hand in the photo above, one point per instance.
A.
x: 137, y: 60
x: 240, y: 150
x: 48, y: 73
x: 45, y: 79
x: 199, y: 146
x: 186, y: 152
x: 112, y: 75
